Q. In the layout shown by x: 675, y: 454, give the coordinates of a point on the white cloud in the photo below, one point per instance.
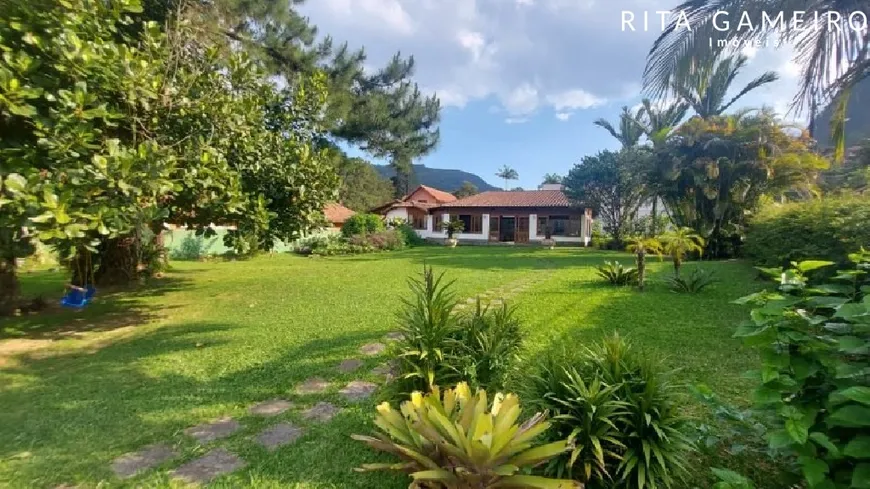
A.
x: 516, y: 120
x: 527, y: 54
x: 574, y: 99
x: 521, y: 100
x: 563, y: 116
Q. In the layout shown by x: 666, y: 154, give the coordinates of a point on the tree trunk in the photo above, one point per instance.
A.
x: 678, y: 262
x: 655, y: 214
x: 9, y: 287
x: 119, y: 261
x: 641, y: 268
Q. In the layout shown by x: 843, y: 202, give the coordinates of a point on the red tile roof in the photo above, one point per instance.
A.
x: 337, y: 213
x: 440, y: 195
x: 525, y: 198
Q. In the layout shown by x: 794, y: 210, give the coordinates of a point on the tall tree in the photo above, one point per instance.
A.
x: 705, y: 89
x: 361, y: 187
x: 713, y: 173
x: 629, y: 132
x: 507, y: 173
x: 466, y: 190
x: 832, y: 59
x: 612, y: 183
x: 552, y: 178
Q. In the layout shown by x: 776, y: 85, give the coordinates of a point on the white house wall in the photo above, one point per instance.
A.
x: 432, y: 233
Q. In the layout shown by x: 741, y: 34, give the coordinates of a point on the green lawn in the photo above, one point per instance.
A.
x: 78, y: 389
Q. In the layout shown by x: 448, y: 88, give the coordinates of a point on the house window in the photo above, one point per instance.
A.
x: 563, y: 225
x: 473, y: 224
x: 439, y: 218
x: 493, y: 224
x: 542, y: 225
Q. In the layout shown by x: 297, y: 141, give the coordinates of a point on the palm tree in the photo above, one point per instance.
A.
x: 552, y: 178
x: 507, y: 173
x: 705, y: 88
x: 630, y: 130
x: 832, y: 60
x: 658, y: 122
x: 640, y: 246
x: 679, y: 243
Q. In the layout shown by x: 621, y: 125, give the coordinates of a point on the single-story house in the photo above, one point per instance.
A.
x: 336, y: 215
x: 512, y: 217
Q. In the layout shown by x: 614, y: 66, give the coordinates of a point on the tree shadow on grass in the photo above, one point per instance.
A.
x: 111, y: 309
x: 75, y: 413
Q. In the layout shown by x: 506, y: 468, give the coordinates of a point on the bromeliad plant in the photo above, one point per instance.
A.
x: 457, y: 440
x: 616, y: 274
x: 697, y: 281
x: 814, y: 340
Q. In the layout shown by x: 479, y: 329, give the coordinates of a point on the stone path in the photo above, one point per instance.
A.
x: 220, y: 461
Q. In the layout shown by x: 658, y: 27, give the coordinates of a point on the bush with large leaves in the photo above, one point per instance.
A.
x: 814, y: 340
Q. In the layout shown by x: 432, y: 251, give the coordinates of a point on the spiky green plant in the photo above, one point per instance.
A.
x: 616, y: 274
x: 697, y: 281
x: 457, y: 440
x: 679, y: 243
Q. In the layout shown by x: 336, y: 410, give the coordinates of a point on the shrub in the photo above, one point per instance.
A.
x: 616, y: 274
x: 826, y: 229
x: 458, y: 440
x: 192, y: 248
x: 452, y: 227
x: 362, y: 224
x: 441, y: 347
x: 323, y: 245
x: 388, y: 240
x: 409, y: 235
x: 619, y: 409
x: 697, y: 281
x: 814, y: 379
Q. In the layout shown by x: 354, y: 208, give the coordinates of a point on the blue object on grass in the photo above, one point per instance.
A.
x: 78, y: 296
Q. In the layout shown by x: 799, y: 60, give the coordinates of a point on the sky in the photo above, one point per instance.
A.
x: 521, y: 81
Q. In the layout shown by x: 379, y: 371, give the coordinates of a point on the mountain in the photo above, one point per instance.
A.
x: 858, y: 118
x: 447, y: 180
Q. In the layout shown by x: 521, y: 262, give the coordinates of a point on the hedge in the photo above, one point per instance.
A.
x: 827, y: 229
x: 362, y: 224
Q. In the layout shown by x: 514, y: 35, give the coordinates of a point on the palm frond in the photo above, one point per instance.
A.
x: 769, y: 77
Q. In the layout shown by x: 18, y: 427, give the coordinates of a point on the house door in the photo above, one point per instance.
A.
x: 494, y: 228
x: 522, y: 229
x: 507, y: 227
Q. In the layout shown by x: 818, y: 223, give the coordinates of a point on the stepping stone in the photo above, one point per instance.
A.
x: 273, y: 407
x: 221, y: 428
x: 208, y: 467
x: 385, y: 370
x: 349, y: 365
x: 358, y: 390
x: 314, y: 385
x: 373, y: 349
x: 148, y: 457
x: 320, y: 412
x: 394, y: 336
x: 279, y: 435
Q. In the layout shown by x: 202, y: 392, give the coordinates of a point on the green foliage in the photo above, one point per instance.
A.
x: 507, y: 173
x: 615, y: 274
x: 681, y: 242
x: 458, y: 440
x: 814, y: 342
x: 621, y: 412
x: 613, y: 184
x: 387, y: 240
x: 697, y: 281
x: 362, y: 188
x: 408, y: 233
x: 439, y: 178
x: 193, y: 248
x: 452, y: 227
x: 552, y: 178
x: 827, y: 229
x: 630, y: 130
x: 362, y: 224
x: 467, y: 189
x: 641, y: 246
x: 713, y: 173
x: 439, y: 346
x: 728, y: 479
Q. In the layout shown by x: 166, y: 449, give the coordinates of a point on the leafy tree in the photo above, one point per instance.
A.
x: 851, y: 177
x: 466, y: 190
x: 613, y: 183
x: 679, y: 243
x: 833, y: 60
x: 705, y: 88
x: 507, y: 173
x: 630, y: 130
x: 552, y: 178
x: 362, y: 187
x: 517, y: 189
x: 713, y: 173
